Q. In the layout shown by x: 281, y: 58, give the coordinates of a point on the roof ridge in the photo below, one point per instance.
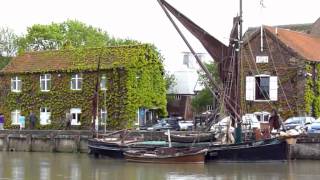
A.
x: 298, y: 32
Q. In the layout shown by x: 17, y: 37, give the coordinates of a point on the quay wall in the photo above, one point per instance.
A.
x: 74, y: 141
x: 307, y: 147
x: 44, y: 140
x: 70, y: 141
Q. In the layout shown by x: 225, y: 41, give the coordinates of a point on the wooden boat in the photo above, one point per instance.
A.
x: 167, y: 155
x: 192, y: 137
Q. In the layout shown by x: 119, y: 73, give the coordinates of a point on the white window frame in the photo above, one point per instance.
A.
x: 16, y: 113
x: 251, y: 88
x: 77, y: 112
x: 46, y: 113
x: 77, y: 78
x: 103, y: 78
x: 18, y: 84
x: 46, y: 80
x: 209, y: 107
x: 103, y: 111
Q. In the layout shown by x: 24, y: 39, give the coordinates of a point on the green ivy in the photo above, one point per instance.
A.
x: 134, y: 79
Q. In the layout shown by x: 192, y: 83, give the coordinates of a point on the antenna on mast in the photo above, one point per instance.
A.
x: 240, y: 22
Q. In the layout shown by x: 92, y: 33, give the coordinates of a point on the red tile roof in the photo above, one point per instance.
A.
x: 77, y: 59
x: 306, y: 45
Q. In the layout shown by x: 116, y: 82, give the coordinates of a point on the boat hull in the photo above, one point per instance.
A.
x: 254, y: 151
x: 197, y: 158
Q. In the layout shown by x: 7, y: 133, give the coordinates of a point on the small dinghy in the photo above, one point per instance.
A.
x: 167, y: 155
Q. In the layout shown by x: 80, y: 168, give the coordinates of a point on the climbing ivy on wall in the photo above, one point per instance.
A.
x: 311, y: 95
x: 308, y: 94
x: 134, y: 79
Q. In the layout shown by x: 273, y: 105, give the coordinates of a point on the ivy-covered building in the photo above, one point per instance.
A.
x: 52, y: 83
x: 280, y: 70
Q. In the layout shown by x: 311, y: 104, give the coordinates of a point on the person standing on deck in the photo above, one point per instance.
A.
x: 274, y: 121
x: 1, y: 121
x: 33, y: 119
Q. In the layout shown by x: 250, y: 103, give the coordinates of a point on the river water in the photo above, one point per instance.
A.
x: 55, y: 166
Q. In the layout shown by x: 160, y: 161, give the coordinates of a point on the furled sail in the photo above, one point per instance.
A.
x: 215, y: 48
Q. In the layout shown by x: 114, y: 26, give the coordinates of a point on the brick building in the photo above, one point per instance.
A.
x: 279, y: 69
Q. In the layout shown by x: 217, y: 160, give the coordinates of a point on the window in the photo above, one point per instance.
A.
x: 45, y: 82
x: 76, y: 82
x: 45, y: 115
x: 103, y: 82
x: 15, y: 117
x: 209, y: 107
x: 177, y: 97
x: 262, y: 59
x: 16, y: 84
x: 261, y: 88
x: 76, y: 116
x: 103, y: 114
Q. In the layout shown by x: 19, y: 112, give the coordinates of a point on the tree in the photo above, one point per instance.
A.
x: 202, y: 100
x: 8, y: 39
x: 68, y: 34
x: 170, y: 80
x: 205, y: 97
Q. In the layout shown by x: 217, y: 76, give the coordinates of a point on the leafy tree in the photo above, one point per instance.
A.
x: 4, y: 61
x: 68, y: 34
x: 170, y: 80
x: 8, y: 39
x: 203, y: 98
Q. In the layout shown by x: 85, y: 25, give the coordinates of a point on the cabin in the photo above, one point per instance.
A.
x: 129, y: 80
x: 280, y: 68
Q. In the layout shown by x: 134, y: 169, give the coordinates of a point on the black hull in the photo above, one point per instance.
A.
x: 110, y: 152
x: 268, y: 150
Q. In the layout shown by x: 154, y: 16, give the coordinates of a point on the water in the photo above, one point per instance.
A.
x: 55, y: 166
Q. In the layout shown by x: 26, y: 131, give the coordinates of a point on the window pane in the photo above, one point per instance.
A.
x: 262, y: 88
x: 73, y: 84
x: 19, y: 84
x: 13, y: 85
x: 49, y: 84
x: 79, y: 84
x: 43, y: 86
x: 103, y: 82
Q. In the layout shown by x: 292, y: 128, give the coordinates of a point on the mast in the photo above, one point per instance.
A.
x: 229, y: 102
x: 238, y: 84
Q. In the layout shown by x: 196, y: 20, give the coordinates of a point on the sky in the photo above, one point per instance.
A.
x: 145, y: 21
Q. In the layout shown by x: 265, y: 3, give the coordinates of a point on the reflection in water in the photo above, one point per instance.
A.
x: 46, y: 166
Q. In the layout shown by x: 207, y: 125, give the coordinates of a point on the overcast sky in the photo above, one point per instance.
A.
x: 145, y: 21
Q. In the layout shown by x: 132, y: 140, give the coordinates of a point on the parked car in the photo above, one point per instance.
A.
x: 293, y: 122
x: 314, y: 127
x: 164, y: 124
